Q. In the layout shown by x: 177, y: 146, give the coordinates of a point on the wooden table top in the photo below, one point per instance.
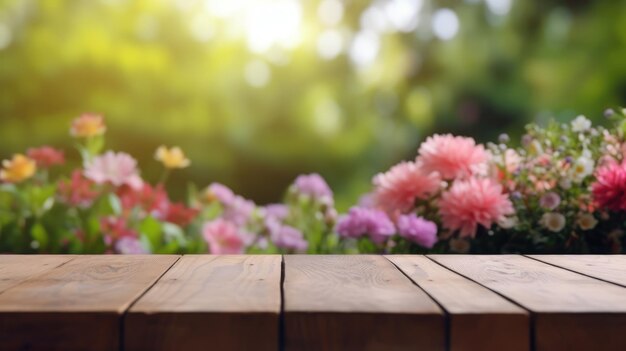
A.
x: 297, y: 302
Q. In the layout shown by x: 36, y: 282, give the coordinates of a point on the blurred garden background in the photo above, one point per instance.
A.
x: 258, y: 91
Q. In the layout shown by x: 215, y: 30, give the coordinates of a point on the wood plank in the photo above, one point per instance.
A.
x: 15, y: 269
x: 571, y: 311
x: 77, y: 306
x: 356, y: 302
x: 611, y: 268
x: 217, y: 302
x: 479, y: 319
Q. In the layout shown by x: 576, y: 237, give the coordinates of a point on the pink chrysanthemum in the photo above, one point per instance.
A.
x: 452, y: 156
x: 609, y: 190
x: 471, y: 202
x: 397, y: 189
x: 224, y: 237
x: 114, y: 168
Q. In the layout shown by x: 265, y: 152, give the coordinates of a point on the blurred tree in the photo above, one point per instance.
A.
x: 259, y: 91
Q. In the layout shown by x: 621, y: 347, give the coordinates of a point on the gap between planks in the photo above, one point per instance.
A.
x: 446, y: 314
x: 559, y: 262
x: 477, y: 318
x: 130, y: 305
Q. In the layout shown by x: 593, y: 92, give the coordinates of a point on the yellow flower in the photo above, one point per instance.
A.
x: 17, y: 169
x: 88, y: 125
x: 172, y: 158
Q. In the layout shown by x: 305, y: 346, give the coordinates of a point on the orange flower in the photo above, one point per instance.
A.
x: 88, y: 125
x: 172, y: 158
x: 17, y: 169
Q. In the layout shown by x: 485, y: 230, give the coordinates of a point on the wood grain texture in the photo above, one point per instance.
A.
x: 479, y: 319
x: 78, y: 305
x: 14, y: 269
x: 571, y: 311
x: 611, y: 268
x: 217, y: 302
x: 356, y: 303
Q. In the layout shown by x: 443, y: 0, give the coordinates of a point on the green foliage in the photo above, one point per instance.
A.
x: 166, y: 72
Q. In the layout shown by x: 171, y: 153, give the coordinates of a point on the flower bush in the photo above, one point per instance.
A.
x: 562, y: 190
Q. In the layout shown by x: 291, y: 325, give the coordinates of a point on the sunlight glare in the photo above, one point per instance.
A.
x: 273, y: 23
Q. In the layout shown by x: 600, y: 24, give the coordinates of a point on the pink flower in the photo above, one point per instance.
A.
x: 46, y: 156
x: 398, y: 188
x: 453, y: 156
x: 130, y: 246
x: 78, y: 191
x: 609, y: 190
x: 417, y: 229
x: 471, y: 202
x: 223, y: 237
x: 115, y: 168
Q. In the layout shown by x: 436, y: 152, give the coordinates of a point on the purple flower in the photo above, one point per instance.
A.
x: 286, y: 237
x: 221, y: 193
x: 314, y: 186
x: 239, y: 210
x: 361, y: 221
x: 417, y: 229
x: 278, y: 211
x: 550, y: 201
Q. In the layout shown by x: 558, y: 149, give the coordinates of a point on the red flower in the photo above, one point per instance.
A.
x: 46, y: 156
x: 115, y: 228
x: 180, y: 214
x: 78, y: 191
x: 150, y: 199
x: 609, y: 190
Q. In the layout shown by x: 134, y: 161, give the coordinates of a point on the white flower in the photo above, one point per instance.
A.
x: 582, y: 168
x: 508, y: 222
x: 581, y: 124
x: 553, y: 221
x: 587, y: 221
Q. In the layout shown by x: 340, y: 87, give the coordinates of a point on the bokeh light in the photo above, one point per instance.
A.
x: 258, y: 91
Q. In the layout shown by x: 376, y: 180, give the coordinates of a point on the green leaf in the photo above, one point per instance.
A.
x: 152, y: 230
x: 40, y: 235
x: 174, y: 233
x: 95, y: 145
x: 115, y: 204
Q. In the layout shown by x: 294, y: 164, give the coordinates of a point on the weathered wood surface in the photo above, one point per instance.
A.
x: 269, y: 302
x: 216, y: 302
x: 571, y: 311
x: 77, y: 305
x: 356, y: 303
x: 15, y: 269
x: 611, y: 268
x: 479, y: 319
